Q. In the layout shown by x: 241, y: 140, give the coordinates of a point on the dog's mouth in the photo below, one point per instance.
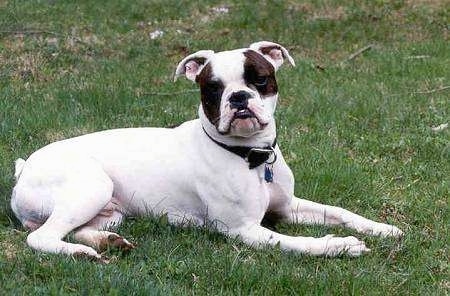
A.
x: 244, y: 114
x: 242, y: 121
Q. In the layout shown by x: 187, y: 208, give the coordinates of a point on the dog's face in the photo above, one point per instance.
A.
x: 238, y: 87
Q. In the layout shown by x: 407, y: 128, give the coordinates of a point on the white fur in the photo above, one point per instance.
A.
x: 90, y: 183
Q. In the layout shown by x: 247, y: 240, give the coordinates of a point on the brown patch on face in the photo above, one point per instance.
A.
x: 260, y: 73
x: 211, y: 93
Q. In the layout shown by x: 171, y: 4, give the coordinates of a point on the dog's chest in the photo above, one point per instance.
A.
x: 236, y: 193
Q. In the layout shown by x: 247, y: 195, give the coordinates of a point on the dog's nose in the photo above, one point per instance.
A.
x: 239, y: 100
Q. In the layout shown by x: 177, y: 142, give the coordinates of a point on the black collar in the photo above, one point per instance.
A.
x: 255, y: 156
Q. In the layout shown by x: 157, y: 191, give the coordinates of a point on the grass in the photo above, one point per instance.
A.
x: 356, y: 133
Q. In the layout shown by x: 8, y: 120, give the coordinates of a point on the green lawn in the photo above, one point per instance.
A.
x: 357, y: 133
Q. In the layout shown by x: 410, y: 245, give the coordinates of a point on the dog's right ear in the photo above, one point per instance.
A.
x: 193, y: 64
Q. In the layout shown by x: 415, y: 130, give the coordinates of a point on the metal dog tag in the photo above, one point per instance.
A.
x: 268, y: 173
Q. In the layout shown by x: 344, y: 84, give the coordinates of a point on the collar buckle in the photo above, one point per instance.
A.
x: 257, y: 156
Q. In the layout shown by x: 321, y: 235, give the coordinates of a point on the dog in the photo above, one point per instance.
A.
x: 224, y: 168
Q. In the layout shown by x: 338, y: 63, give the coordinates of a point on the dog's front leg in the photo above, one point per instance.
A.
x: 305, y: 211
x: 295, y: 210
x: 330, y: 246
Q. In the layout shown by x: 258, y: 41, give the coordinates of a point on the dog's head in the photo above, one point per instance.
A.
x: 238, y: 87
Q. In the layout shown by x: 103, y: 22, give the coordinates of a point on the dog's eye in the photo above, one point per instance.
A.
x: 261, y: 80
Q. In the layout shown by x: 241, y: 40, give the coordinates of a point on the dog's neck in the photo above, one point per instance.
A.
x: 263, y: 138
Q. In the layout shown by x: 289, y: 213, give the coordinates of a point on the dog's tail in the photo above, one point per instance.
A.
x: 19, y: 164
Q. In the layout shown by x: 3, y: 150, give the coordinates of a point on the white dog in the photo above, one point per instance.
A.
x: 224, y: 168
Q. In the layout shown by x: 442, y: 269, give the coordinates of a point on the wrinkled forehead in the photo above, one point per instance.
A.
x: 232, y: 65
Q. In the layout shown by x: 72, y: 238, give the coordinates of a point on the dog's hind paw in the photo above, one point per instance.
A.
x: 117, y: 242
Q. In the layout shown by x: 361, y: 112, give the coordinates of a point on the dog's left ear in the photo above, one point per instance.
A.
x: 273, y: 52
x: 193, y: 64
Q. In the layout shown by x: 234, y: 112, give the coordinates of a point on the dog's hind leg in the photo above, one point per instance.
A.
x: 95, y: 233
x: 77, y: 200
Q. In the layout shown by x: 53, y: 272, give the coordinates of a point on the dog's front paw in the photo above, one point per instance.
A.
x: 350, y: 245
x: 386, y: 230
